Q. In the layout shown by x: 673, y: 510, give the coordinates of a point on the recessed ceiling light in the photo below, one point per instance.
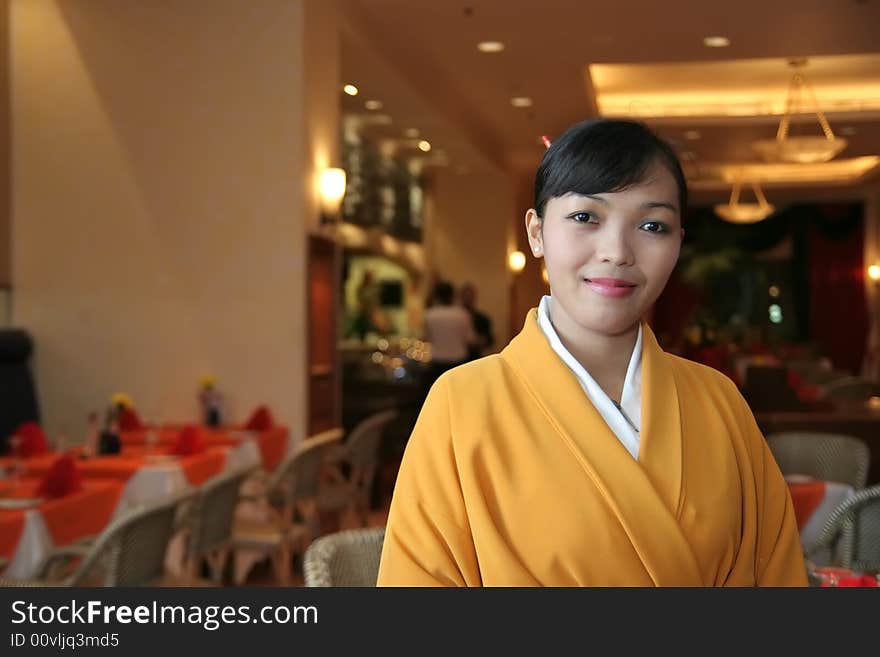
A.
x: 424, y: 146
x: 350, y: 89
x: 847, y: 130
x: 490, y: 46
x: 716, y: 42
x: 373, y: 104
x: 412, y: 133
x: 521, y: 101
x: 692, y: 134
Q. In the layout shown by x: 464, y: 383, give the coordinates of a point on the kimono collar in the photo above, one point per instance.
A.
x: 645, y: 494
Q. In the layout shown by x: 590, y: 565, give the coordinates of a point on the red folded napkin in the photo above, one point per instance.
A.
x: 33, y: 440
x: 190, y: 440
x: 62, y: 478
x: 129, y: 420
x: 261, y: 420
x: 858, y: 580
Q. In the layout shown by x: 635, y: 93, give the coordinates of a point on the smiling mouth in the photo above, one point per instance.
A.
x: 610, y: 287
x: 610, y: 282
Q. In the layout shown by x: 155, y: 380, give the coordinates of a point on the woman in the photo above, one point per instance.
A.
x: 583, y: 454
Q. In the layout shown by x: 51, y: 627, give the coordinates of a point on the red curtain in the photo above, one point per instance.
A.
x: 673, y: 311
x: 838, y: 310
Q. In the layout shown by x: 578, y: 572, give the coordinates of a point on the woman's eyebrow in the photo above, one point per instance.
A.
x: 650, y: 205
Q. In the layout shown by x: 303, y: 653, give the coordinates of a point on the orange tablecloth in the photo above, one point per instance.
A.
x: 68, y: 518
x: 806, y: 497
x: 272, y: 443
x: 11, y: 524
x: 273, y: 446
x: 121, y: 467
x: 201, y: 467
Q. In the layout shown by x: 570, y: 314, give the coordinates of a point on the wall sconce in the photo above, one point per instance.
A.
x: 874, y: 273
x: 332, y: 191
x: 516, y: 261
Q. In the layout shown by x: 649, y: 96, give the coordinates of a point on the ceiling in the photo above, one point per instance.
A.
x: 642, y: 58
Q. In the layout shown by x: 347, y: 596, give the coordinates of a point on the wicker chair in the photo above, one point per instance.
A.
x: 347, y: 558
x: 826, y: 456
x: 361, y: 454
x: 285, y: 507
x: 852, y: 532
x: 129, y: 552
x: 210, y: 524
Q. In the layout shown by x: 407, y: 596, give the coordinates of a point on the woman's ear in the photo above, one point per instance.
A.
x: 682, y: 233
x: 533, y: 232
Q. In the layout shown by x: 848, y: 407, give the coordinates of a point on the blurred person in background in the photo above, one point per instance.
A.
x: 449, y: 329
x: 481, y: 323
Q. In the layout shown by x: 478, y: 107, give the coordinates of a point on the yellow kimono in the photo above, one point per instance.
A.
x: 512, y: 478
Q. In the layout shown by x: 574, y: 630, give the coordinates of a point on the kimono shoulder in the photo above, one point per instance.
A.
x: 705, y: 387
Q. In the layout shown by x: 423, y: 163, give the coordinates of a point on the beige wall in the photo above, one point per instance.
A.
x: 161, y: 195
x: 321, y: 116
x: 467, y: 235
x: 530, y: 285
x: 5, y: 173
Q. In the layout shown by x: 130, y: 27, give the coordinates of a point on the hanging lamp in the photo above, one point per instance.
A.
x: 800, y: 149
x: 745, y: 213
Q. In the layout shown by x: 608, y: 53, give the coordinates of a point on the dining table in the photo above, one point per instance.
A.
x: 857, y: 418
x: 814, y: 501
x: 144, y: 471
x: 31, y: 526
x: 269, y: 446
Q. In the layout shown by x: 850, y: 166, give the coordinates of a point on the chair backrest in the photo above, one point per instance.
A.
x: 131, y: 549
x: 827, y: 456
x: 856, y: 524
x: 362, y: 446
x: 299, y: 474
x: 348, y: 558
x: 213, y: 514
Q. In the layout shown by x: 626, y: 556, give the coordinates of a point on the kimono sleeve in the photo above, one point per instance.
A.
x: 428, y: 540
x: 779, y: 560
x: 780, y: 555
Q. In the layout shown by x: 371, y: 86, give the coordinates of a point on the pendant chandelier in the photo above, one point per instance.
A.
x: 800, y: 149
x: 745, y: 213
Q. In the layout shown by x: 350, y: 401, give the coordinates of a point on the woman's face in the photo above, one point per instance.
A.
x: 609, y: 255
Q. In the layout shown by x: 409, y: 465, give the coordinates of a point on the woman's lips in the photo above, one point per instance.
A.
x: 610, y: 287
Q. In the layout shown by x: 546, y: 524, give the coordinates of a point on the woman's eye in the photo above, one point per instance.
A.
x: 654, y: 227
x: 583, y: 217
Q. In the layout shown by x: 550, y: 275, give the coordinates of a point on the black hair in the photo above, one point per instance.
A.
x: 444, y: 293
x: 603, y: 155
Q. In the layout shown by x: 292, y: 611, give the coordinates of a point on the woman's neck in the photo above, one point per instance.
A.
x: 605, y: 357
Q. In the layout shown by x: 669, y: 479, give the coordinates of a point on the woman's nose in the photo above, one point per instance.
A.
x: 614, y: 248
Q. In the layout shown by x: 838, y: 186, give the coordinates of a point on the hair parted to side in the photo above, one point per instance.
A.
x: 603, y: 155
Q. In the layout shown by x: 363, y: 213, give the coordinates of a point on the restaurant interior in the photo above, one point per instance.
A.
x: 225, y: 224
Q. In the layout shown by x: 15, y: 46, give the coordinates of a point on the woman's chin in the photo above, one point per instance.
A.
x: 610, y: 326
